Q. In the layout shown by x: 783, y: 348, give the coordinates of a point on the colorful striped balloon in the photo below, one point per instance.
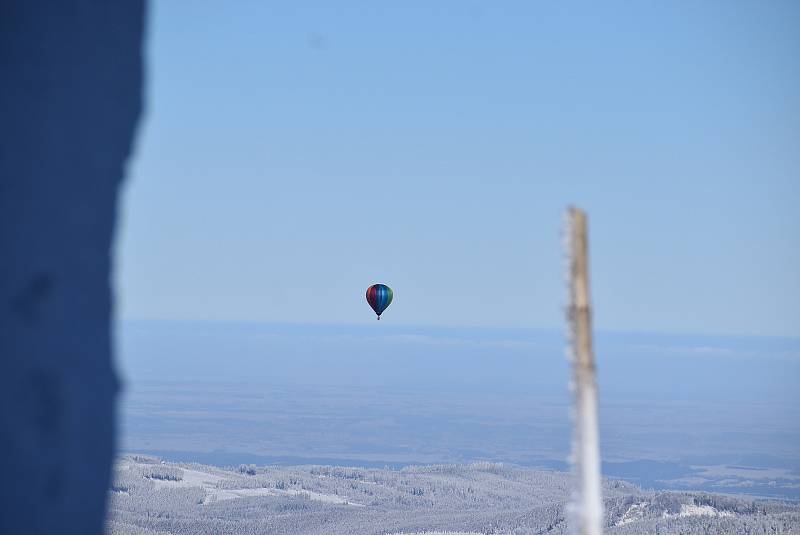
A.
x: 379, y: 296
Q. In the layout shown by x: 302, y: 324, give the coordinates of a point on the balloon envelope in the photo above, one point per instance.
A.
x: 379, y: 296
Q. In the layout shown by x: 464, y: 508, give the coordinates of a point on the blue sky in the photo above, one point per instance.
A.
x: 294, y: 154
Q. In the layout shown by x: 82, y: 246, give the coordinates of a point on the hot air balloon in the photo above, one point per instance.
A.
x: 379, y: 296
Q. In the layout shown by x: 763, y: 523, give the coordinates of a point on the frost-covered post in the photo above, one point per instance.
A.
x: 587, y: 506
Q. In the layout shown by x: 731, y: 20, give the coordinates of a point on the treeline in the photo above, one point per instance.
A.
x: 149, y: 497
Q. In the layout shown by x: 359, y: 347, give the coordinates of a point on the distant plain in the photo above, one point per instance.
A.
x: 684, y: 412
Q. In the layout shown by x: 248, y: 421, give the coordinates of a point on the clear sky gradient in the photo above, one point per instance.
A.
x: 294, y: 154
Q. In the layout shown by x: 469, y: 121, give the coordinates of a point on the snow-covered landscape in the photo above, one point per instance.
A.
x: 150, y: 496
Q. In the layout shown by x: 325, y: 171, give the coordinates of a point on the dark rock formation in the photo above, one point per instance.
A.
x: 70, y: 98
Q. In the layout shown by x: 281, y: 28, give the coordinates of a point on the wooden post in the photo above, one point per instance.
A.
x: 587, y: 504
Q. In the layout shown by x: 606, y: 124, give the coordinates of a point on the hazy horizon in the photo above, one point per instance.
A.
x: 671, y: 407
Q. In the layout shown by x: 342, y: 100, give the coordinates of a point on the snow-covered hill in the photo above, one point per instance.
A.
x: 150, y: 496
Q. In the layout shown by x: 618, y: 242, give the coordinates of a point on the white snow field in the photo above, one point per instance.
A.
x: 439, y: 533
x: 153, y: 497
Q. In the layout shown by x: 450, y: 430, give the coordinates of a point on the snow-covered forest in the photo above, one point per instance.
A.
x: 150, y: 496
